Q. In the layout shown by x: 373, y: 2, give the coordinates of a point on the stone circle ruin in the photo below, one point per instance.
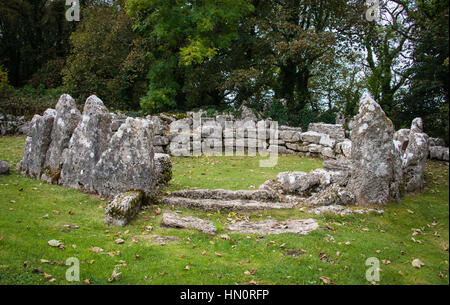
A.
x: 128, y: 159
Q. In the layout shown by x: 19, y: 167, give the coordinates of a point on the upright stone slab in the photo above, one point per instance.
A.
x: 373, y: 176
x: 36, y: 145
x: 66, y: 120
x: 163, y: 169
x: 127, y: 163
x: 88, y: 142
x: 415, y: 157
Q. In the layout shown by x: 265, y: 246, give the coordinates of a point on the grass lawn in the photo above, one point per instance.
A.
x: 337, y: 250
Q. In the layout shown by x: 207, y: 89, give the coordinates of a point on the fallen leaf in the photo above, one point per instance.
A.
x: 218, y: 254
x: 417, y: 263
x: 115, y: 275
x: 96, y: 249
x: 325, y: 280
x: 47, y: 276
x: 119, y: 241
x: 52, y: 280
x: 187, y: 267
x: 88, y: 282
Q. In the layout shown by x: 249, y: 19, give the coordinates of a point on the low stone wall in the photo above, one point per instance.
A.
x: 12, y: 125
x: 226, y: 134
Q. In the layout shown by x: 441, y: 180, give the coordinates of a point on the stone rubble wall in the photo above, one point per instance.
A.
x: 326, y: 141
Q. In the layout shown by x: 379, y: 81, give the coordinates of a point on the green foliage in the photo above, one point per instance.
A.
x: 107, y: 59
x: 5, y: 88
x: 184, y: 39
x: 33, y: 33
x: 29, y: 101
x: 49, y: 75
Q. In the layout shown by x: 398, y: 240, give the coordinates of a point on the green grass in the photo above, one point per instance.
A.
x: 24, y: 234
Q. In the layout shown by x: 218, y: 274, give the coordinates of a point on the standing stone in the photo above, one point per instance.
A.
x: 127, y: 163
x: 66, y: 120
x: 415, y: 157
x: 88, y: 142
x: 37, y: 144
x: 373, y: 158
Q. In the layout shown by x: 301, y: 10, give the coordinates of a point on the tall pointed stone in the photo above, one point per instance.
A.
x: 415, y: 157
x: 88, y: 142
x: 66, y: 120
x: 374, y: 178
x: 36, y: 145
x: 128, y: 162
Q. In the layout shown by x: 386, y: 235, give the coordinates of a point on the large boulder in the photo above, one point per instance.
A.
x: 438, y: 153
x: 127, y: 163
x: 66, y: 120
x: 88, y: 142
x: 123, y: 208
x: 373, y: 157
x: 333, y: 195
x: 415, y: 157
x: 36, y: 145
x: 335, y: 131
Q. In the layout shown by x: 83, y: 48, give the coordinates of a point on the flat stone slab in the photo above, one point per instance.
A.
x: 258, y: 195
x: 233, y: 205
x: 189, y: 222
x: 270, y: 226
x: 342, y: 211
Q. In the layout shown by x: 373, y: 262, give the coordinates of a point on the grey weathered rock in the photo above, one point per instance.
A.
x: 4, y: 168
x: 257, y: 195
x: 290, y: 136
x: 345, y: 148
x: 402, y: 136
x: 299, y: 183
x: 37, y: 144
x: 340, y: 119
x: 124, y: 208
x: 315, y: 148
x: 342, y: 211
x: 415, y: 157
x: 248, y: 114
x: 270, y: 226
x: 311, y: 137
x: 335, y: 131
x: 189, y: 222
x: 66, y: 120
x: 333, y: 195
x: 127, y: 163
x: 373, y: 158
x: 89, y: 140
x: 337, y: 165
x: 328, y: 153
x: 216, y: 204
x: 438, y: 153
x: 327, y: 141
x: 163, y: 169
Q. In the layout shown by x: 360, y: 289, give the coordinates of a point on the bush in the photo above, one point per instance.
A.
x: 29, y: 101
x: 49, y: 75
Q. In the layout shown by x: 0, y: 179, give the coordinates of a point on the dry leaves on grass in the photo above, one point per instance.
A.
x: 417, y: 263
x: 56, y: 243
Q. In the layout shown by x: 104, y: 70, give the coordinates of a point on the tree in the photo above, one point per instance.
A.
x: 184, y: 37
x: 107, y: 58
x: 32, y: 33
